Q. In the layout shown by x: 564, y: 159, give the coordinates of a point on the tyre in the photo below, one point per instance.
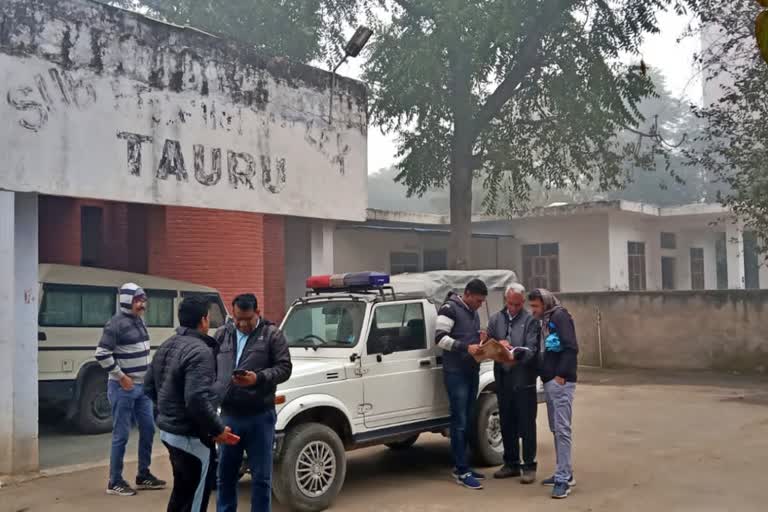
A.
x: 403, y: 444
x: 487, y: 446
x: 311, y: 469
x: 94, y: 414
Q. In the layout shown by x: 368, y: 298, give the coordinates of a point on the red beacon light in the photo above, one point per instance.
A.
x: 352, y: 280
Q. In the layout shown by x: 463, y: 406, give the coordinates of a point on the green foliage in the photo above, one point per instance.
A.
x: 734, y: 142
x: 539, y: 86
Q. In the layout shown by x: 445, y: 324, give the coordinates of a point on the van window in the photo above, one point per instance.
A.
x: 217, y: 315
x: 77, y: 306
x: 159, y: 308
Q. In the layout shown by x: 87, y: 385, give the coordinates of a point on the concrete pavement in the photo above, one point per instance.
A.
x: 643, y: 441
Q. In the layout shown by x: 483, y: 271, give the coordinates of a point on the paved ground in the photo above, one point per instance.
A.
x: 644, y: 441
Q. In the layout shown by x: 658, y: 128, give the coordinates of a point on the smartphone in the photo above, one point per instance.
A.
x: 239, y: 373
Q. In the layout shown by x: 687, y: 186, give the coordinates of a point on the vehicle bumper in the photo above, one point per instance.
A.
x: 55, y: 393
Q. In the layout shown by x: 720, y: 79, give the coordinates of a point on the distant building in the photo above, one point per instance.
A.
x: 597, y: 246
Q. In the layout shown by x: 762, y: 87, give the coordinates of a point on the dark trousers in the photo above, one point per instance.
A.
x: 517, y: 411
x: 462, y: 391
x: 191, y: 486
x: 257, y: 434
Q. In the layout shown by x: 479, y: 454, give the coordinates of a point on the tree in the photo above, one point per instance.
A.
x: 734, y: 142
x: 515, y: 91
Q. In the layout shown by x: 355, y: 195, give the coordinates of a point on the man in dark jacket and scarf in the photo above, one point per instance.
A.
x: 253, y: 359
x: 557, y: 368
x: 179, y: 381
x: 516, y: 328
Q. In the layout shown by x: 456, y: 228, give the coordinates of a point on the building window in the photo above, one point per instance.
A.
x: 697, y: 268
x: 721, y: 262
x: 91, y: 235
x: 77, y: 306
x: 435, y: 260
x: 668, y: 273
x: 636, y: 265
x: 541, y: 266
x: 751, y: 261
x: 402, y: 262
x: 668, y: 241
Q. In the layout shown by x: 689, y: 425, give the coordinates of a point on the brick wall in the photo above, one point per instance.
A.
x: 234, y: 252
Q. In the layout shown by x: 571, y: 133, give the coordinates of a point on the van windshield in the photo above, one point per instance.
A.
x: 335, y: 324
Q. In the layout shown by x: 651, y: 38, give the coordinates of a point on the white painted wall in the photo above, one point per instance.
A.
x: 106, y: 104
x: 583, y: 246
x: 18, y: 337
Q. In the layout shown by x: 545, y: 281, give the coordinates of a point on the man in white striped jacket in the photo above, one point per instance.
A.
x: 124, y: 353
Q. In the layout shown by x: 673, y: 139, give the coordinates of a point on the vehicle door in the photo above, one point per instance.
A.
x: 398, y: 376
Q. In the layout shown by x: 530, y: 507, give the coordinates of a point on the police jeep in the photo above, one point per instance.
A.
x: 366, y: 371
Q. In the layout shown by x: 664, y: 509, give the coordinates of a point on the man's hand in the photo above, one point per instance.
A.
x: 227, y: 437
x: 507, y: 345
x: 244, y: 381
x: 472, y: 349
x: 483, y: 336
x: 560, y: 381
x: 126, y: 383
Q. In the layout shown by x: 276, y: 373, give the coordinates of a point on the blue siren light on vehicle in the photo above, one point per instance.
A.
x: 349, y: 280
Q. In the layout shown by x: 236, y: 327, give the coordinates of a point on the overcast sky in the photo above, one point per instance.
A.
x: 662, y: 51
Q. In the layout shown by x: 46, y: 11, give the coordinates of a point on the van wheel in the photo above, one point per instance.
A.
x: 94, y: 414
x: 487, y: 445
x: 403, y: 444
x: 311, y: 469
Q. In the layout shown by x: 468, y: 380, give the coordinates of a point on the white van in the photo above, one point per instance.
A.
x: 75, y: 303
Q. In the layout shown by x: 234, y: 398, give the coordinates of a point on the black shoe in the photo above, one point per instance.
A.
x: 529, y: 476
x: 149, y: 482
x: 120, y: 488
x: 508, y: 472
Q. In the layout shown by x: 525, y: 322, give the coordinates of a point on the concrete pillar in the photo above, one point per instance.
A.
x: 734, y: 244
x: 321, y: 245
x: 18, y: 335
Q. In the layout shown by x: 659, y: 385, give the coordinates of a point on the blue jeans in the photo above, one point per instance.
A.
x: 462, y: 394
x: 127, y: 407
x: 257, y: 434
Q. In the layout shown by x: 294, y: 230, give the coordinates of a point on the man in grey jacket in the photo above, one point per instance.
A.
x: 516, y: 328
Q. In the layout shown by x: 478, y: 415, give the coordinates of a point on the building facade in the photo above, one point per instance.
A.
x: 599, y: 246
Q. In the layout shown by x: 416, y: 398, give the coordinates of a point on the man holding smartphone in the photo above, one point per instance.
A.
x: 253, y: 359
x: 180, y: 381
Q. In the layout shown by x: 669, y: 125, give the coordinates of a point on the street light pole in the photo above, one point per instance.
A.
x: 352, y: 49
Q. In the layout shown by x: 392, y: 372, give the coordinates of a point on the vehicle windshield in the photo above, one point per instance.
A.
x: 334, y: 324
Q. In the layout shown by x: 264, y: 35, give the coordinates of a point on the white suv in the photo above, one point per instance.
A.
x: 366, y: 371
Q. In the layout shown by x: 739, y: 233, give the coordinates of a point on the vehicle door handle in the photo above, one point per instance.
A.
x: 41, y: 336
x: 425, y: 362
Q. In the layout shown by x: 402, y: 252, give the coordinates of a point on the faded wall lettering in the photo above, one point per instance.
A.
x: 172, y: 162
x: 134, y: 142
x: 273, y: 184
x: 242, y: 169
x: 18, y: 99
x: 203, y: 177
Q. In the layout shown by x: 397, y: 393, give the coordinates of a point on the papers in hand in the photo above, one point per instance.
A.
x: 495, y: 351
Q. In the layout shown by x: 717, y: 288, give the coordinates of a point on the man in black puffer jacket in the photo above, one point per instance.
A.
x: 253, y: 359
x: 179, y: 381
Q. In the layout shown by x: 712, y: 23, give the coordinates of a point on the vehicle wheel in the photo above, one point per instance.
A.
x: 404, y: 444
x: 311, y: 469
x: 94, y: 413
x: 487, y: 445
